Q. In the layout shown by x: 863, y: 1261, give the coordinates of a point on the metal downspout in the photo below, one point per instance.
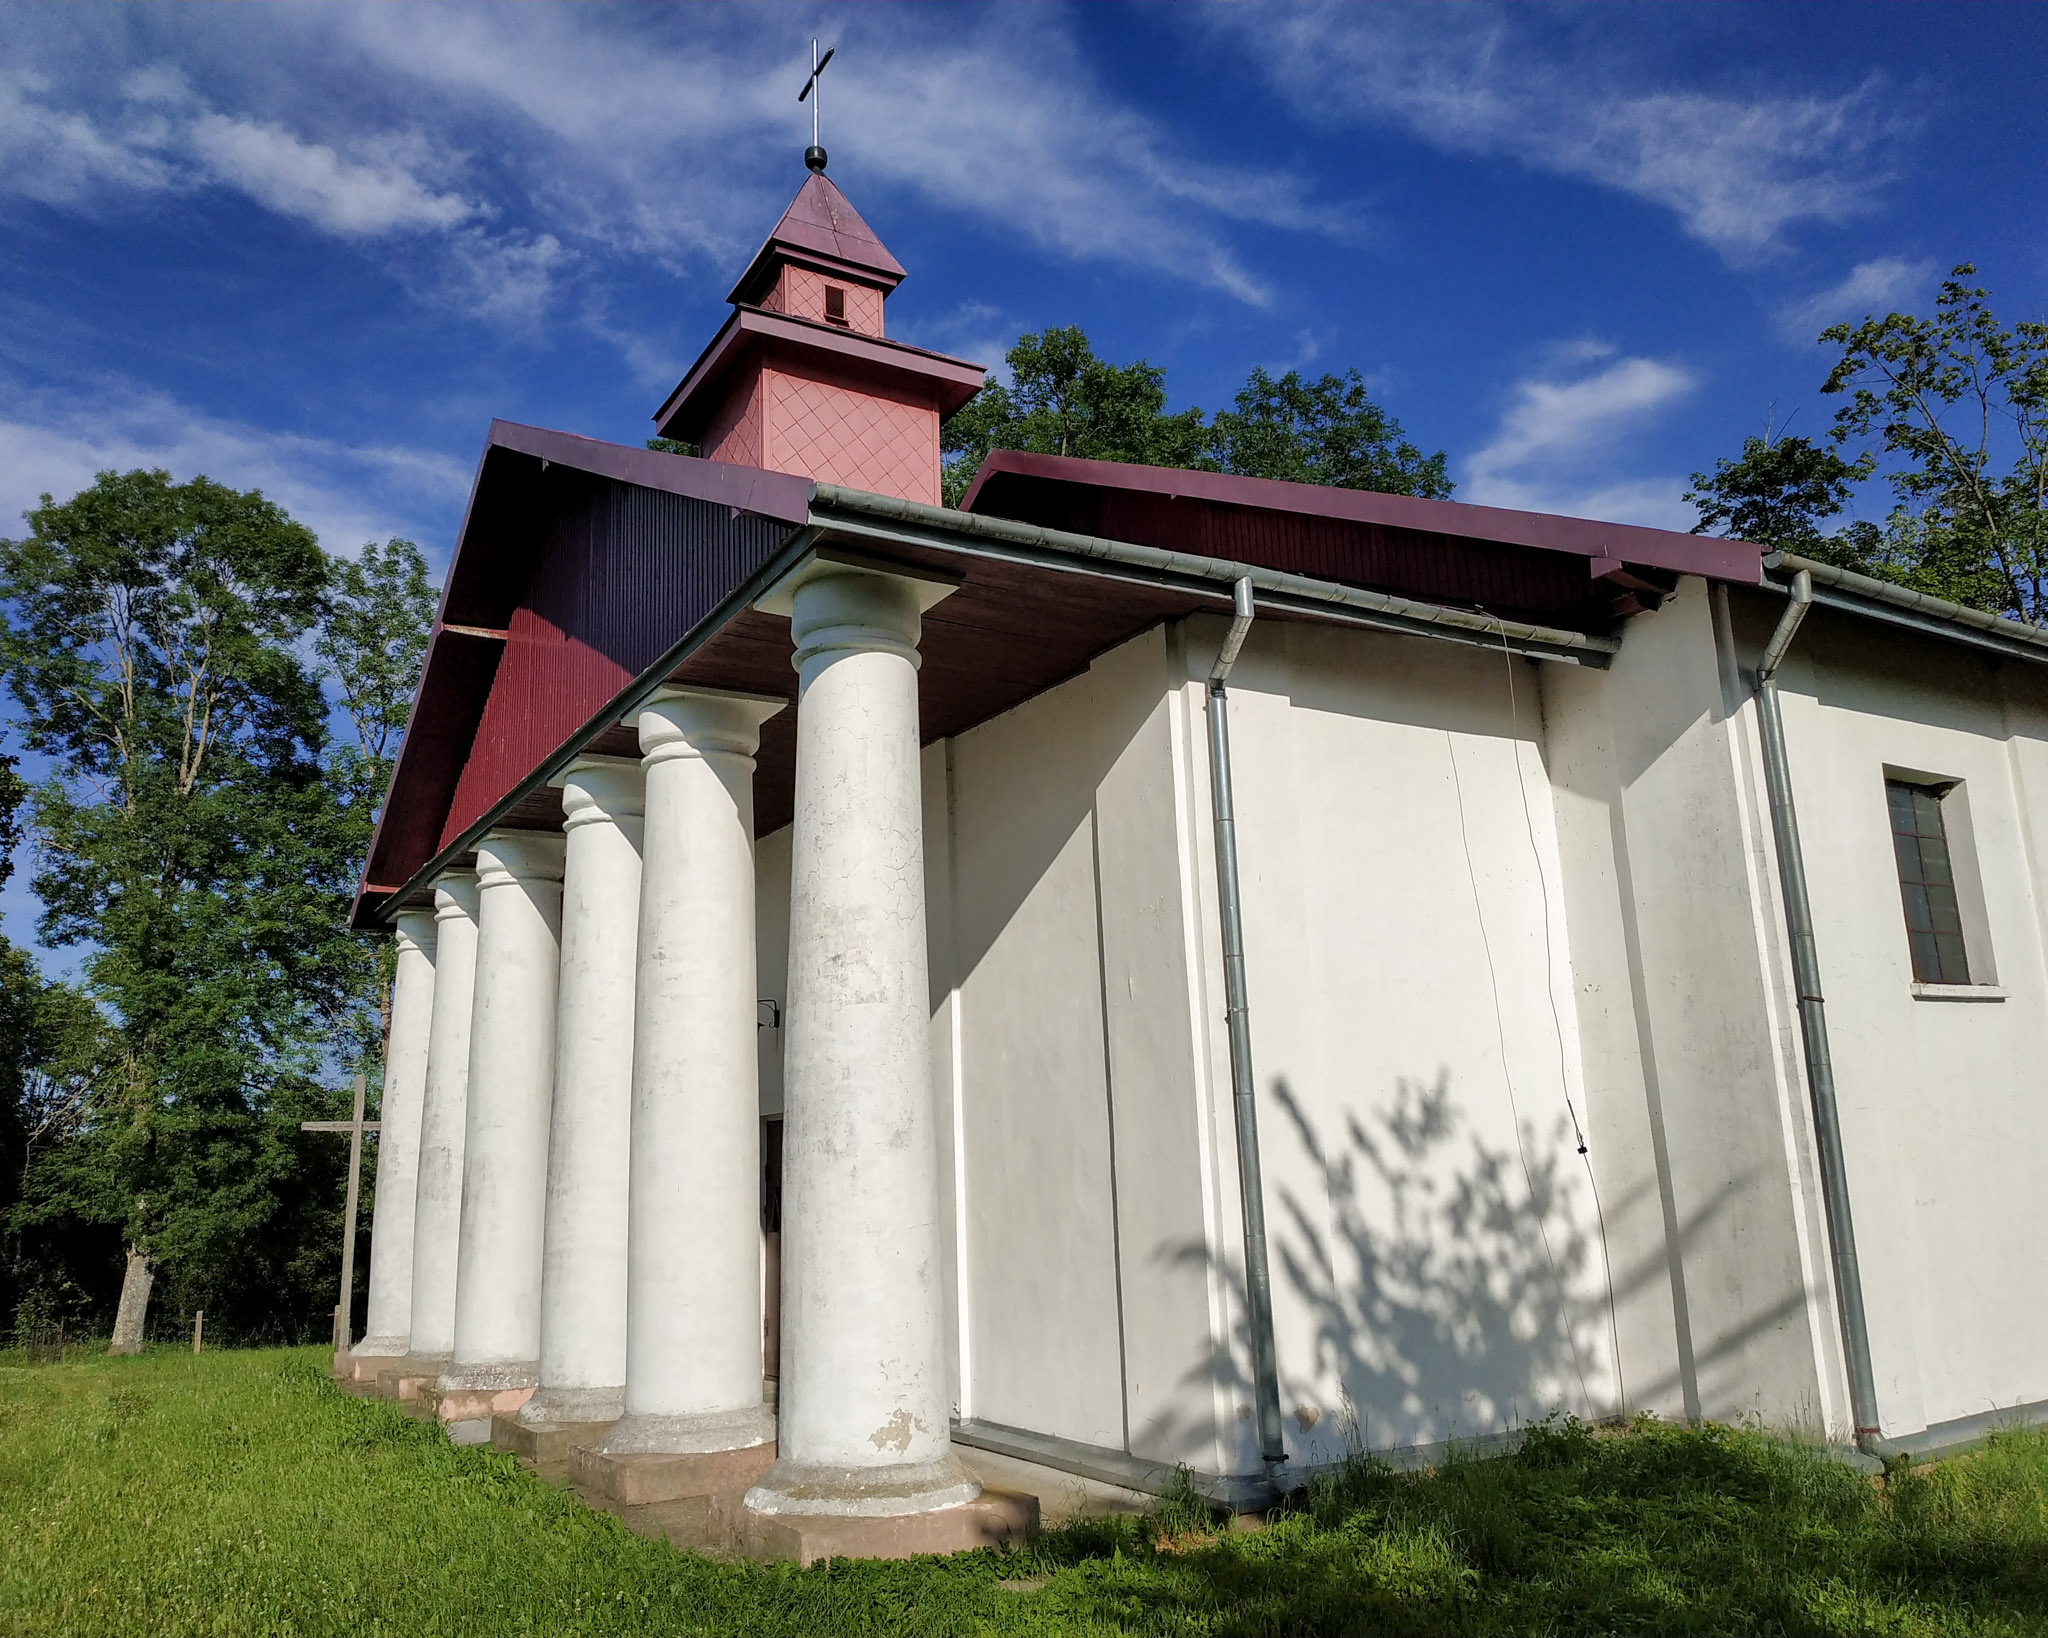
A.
x: 1258, y: 1275
x: 1813, y: 1024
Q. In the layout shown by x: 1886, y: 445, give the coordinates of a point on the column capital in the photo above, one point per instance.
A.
x: 596, y: 789
x: 842, y: 603
x: 703, y: 722
x: 414, y: 929
x: 929, y: 586
x: 455, y: 895
x: 504, y: 857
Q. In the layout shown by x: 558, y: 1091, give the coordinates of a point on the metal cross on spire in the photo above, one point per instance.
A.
x: 814, y: 156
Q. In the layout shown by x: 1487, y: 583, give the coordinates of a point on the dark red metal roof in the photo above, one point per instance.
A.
x: 578, y: 562
x: 820, y: 226
x: 587, y: 570
x: 1533, y: 563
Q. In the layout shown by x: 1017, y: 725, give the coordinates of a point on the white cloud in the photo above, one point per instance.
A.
x: 1871, y: 286
x: 1563, y: 432
x: 1001, y: 120
x: 507, y: 277
x: 160, y: 136
x: 977, y: 331
x: 55, y: 442
x: 669, y: 133
x: 62, y: 157
x: 311, y: 181
x: 1554, y: 419
x: 1736, y: 170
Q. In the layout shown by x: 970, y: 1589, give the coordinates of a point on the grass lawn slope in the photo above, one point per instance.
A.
x: 239, y: 1493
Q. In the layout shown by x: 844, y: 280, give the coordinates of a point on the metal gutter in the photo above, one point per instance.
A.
x: 1251, y: 1188
x: 1859, y: 594
x: 1964, y: 1433
x: 884, y: 518
x: 1813, y: 1024
x: 1240, y: 1493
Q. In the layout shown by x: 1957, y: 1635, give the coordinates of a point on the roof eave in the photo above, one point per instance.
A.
x: 950, y: 381
x: 760, y: 271
x: 1704, y: 555
x: 776, y: 495
x: 1901, y: 606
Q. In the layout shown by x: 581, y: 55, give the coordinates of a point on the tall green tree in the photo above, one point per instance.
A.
x: 55, y: 1051
x: 1326, y: 431
x: 1957, y: 406
x: 1779, y: 492
x: 1063, y: 400
x: 153, y: 637
x: 1953, y: 411
x: 372, y: 643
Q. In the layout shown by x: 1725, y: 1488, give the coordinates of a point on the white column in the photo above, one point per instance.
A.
x: 693, y: 1352
x: 511, y: 1080
x: 583, y: 1263
x: 444, y: 1115
x: 389, y: 1323
x: 864, y: 1403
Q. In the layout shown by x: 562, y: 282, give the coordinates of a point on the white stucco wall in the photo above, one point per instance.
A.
x: 1659, y: 744
x: 1089, y: 1222
x: 1436, y: 1255
x: 1082, y: 1292
x: 1705, y: 1157
x: 1944, y: 1122
x: 1464, y: 908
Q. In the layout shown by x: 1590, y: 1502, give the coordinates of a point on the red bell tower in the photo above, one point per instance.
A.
x: 801, y: 379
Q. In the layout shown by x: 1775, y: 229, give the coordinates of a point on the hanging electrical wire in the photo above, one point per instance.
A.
x: 1557, y: 1023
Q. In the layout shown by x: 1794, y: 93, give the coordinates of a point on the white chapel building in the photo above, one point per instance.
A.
x: 1156, y: 969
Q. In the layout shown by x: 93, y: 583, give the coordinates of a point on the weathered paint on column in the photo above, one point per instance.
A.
x: 864, y: 1402
x: 693, y: 1361
x: 511, y: 1079
x: 388, y: 1325
x: 583, y: 1265
x: 444, y: 1115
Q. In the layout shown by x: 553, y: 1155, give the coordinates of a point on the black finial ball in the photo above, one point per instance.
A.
x: 814, y: 157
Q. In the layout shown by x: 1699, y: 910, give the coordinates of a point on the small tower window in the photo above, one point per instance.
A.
x: 835, y: 304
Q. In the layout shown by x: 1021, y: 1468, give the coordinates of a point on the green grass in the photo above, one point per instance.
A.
x: 239, y: 1493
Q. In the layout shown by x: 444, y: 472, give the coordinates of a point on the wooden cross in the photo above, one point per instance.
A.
x: 355, y: 1129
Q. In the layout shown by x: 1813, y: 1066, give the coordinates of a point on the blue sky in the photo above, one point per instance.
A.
x: 1583, y: 249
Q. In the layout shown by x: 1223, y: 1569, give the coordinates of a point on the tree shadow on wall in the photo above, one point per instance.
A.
x: 1452, y: 1291
x: 1447, y: 1295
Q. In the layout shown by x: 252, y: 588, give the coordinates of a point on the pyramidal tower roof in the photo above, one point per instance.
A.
x: 822, y: 228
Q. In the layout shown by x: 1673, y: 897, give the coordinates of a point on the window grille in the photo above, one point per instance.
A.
x: 1927, y: 883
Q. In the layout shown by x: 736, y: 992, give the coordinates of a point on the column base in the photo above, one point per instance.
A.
x: 370, y: 1358
x: 466, y: 1396
x: 704, y: 1433
x: 993, y: 1517
x: 404, y: 1378
x: 572, y: 1407
x: 899, y: 1490
x: 547, y: 1444
x: 644, y: 1478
